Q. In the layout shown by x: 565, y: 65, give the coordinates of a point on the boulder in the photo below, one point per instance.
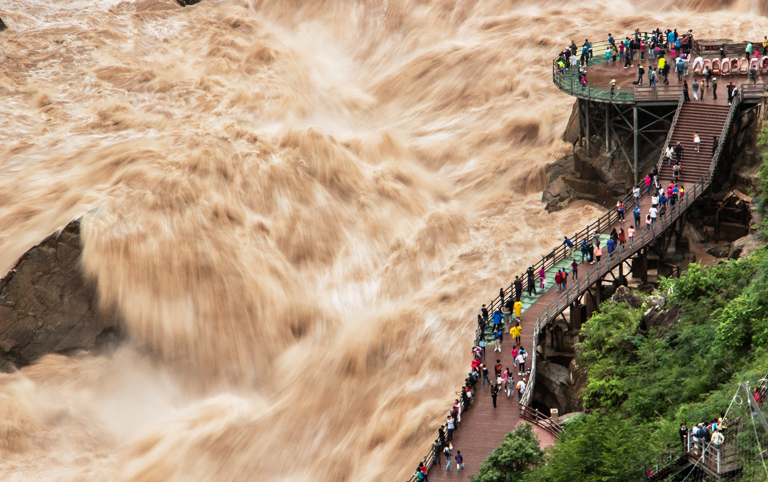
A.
x: 47, y: 306
x: 655, y: 301
x: 627, y: 296
x: 657, y: 317
x: 721, y: 251
x: 554, y: 191
x: 745, y: 246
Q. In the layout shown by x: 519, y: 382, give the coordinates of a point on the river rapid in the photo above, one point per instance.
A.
x: 295, y: 207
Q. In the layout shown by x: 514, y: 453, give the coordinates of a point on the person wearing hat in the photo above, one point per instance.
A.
x: 613, y: 86
x: 714, y: 88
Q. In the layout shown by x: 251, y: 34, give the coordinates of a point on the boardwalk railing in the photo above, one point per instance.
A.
x: 602, y: 268
x: 669, y: 134
x: 596, y: 273
x: 534, y: 416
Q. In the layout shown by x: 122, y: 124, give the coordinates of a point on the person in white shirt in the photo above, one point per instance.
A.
x: 653, y: 212
x: 655, y: 200
x: 520, y: 387
x: 520, y: 364
x: 696, y: 141
x: 636, y: 193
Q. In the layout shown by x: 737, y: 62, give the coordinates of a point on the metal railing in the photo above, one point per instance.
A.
x: 534, y: 416
x: 669, y: 134
x: 429, y: 459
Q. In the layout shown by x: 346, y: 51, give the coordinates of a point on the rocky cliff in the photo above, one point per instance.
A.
x: 47, y: 306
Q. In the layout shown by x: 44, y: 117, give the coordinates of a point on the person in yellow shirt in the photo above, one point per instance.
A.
x: 518, y: 307
x: 662, y: 63
x: 765, y: 45
x: 517, y: 332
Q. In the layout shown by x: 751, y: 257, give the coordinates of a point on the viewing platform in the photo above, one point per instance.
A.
x: 625, y: 120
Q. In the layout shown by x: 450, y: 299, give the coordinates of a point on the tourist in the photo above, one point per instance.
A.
x: 636, y: 212
x: 508, y: 382
x: 531, y: 284
x: 497, y: 318
x: 686, y: 96
x: 518, y: 288
x: 695, y: 89
x: 516, y: 332
x: 640, y: 74
x: 496, y: 342
x: 449, y: 426
x: 679, y: 69
x: 564, y: 279
x: 557, y: 281
x: 730, y: 88
x: 542, y: 277
x: 654, y: 199
x: 520, y: 360
x: 631, y: 232
x: 518, y: 307
x: 683, y: 436
x: 703, y: 88
x: 653, y: 78
x: 447, y: 452
x: 574, y: 270
x: 636, y: 194
x: 622, y: 237
x: 568, y: 246
x: 653, y: 212
x: 494, y: 393
x: 714, y: 88
x: 748, y: 50
x: 647, y: 221
x: 753, y: 75
x: 610, y: 246
x: 501, y: 296
x: 484, y: 311
x: 765, y: 45
x: 647, y: 182
x: 696, y: 140
x: 459, y: 461
x: 620, y: 210
x: 520, y: 389
x: 437, y: 449
x: 678, y: 152
x: 598, y: 253
x: 591, y: 257
x: 485, y: 374
x: 676, y: 170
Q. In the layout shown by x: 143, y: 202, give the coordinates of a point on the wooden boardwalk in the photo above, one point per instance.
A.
x: 483, y: 427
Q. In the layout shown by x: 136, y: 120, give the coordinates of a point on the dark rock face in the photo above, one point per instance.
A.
x: 552, y: 387
x: 46, y: 305
x: 2, y: 25
x: 625, y: 295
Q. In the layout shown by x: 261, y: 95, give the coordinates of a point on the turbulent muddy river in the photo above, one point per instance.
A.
x: 295, y: 207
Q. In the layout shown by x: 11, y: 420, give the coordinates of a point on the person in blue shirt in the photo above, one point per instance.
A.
x: 569, y: 245
x: 610, y: 39
x: 671, y: 38
x: 636, y: 212
x: 611, y: 245
x: 662, y: 199
x: 584, y: 250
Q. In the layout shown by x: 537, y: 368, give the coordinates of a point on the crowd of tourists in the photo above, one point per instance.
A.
x: 665, y: 52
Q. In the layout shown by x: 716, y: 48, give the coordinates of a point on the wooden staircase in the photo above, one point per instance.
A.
x: 705, y: 119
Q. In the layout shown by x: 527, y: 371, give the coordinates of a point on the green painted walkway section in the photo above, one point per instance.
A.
x: 527, y: 301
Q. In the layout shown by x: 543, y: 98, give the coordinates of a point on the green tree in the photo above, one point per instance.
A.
x: 517, y: 455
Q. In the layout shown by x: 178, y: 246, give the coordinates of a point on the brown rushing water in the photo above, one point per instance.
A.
x: 296, y: 207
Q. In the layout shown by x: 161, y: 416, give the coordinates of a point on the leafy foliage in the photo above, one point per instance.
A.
x: 517, y: 455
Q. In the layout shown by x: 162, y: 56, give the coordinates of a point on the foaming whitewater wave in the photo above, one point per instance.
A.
x: 294, y: 207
